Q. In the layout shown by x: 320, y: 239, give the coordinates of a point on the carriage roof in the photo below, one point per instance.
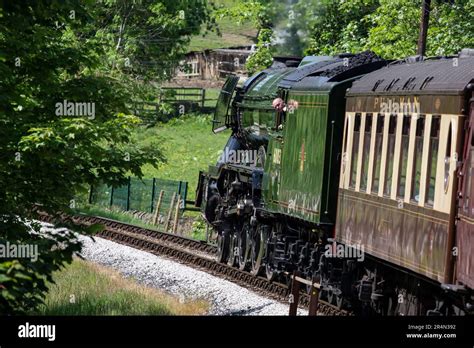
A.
x: 430, y: 76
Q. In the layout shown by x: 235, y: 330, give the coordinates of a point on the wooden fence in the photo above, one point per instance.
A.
x: 183, y: 100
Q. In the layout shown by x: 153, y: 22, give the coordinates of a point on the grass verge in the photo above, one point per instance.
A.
x: 196, y: 230
x: 122, y: 216
x: 231, y: 34
x: 85, y: 288
x: 189, y: 146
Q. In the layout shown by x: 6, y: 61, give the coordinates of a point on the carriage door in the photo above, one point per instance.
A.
x: 465, y: 224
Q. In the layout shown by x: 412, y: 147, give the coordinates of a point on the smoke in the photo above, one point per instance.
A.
x: 292, y: 21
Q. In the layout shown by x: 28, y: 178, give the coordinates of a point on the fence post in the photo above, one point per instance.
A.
x: 295, y: 292
x: 158, y: 206
x: 111, y: 197
x: 314, y: 298
x: 207, y: 232
x: 176, y: 215
x: 170, y: 210
x: 152, y: 195
x: 185, y: 194
x: 128, y: 194
x: 203, y: 100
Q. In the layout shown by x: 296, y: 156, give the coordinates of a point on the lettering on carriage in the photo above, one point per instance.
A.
x: 277, y: 156
x: 351, y: 251
x: 401, y: 105
x: 274, y: 178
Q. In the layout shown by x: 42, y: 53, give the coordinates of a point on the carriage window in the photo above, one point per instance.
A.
x: 417, y: 157
x: 392, y: 130
x: 344, y: 145
x: 355, y: 150
x: 402, y: 175
x: 280, y: 115
x: 447, y: 161
x: 366, y: 153
x: 432, y: 160
x: 378, y: 153
x: 346, y: 131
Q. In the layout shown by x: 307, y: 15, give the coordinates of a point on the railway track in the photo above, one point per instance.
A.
x: 191, y: 252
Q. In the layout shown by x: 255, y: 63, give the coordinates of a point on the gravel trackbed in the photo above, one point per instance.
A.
x: 226, y: 298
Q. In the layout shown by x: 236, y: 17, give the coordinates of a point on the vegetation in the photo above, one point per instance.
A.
x: 188, y: 145
x: 71, y: 69
x: 200, y: 228
x: 390, y: 28
x: 152, y: 35
x: 258, y: 13
x: 114, y: 214
x: 54, y: 54
x: 85, y: 288
x: 225, y: 33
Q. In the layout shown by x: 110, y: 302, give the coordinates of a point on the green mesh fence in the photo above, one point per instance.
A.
x: 141, y: 195
x: 101, y: 196
x: 120, y: 198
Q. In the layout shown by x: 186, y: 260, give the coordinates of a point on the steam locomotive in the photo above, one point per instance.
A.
x: 355, y: 171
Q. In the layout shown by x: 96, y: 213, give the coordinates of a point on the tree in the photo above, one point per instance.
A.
x: 64, y: 119
x: 395, y: 28
x: 451, y: 27
x: 390, y: 28
x: 262, y: 58
x: 146, y: 39
x: 341, y: 26
x: 260, y: 13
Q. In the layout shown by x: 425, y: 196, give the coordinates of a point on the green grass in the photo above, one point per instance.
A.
x: 115, y: 215
x: 211, y: 96
x: 197, y: 230
x: 85, y: 288
x: 232, y: 34
x: 188, y: 145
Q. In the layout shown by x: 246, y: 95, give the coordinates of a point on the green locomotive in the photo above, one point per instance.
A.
x: 272, y: 196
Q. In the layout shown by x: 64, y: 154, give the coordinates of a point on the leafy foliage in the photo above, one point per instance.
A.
x: 259, y: 13
x: 390, y: 28
x: 53, y: 52
x: 262, y: 58
x: 152, y: 35
x: 341, y: 26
